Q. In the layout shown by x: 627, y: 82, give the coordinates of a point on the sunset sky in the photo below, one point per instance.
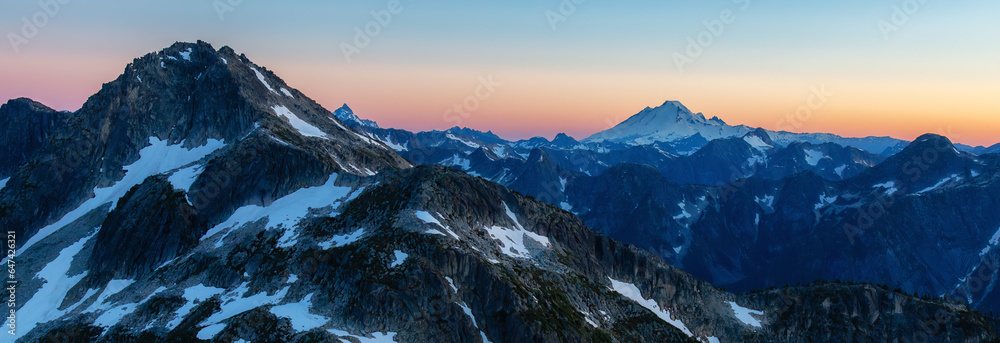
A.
x: 931, y: 66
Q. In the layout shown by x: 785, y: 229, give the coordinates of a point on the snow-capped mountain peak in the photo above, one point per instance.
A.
x: 673, y: 122
x: 669, y: 122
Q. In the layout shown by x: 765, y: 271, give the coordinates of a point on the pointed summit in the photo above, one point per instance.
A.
x: 564, y: 141
x: 346, y: 115
x: 25, y: 125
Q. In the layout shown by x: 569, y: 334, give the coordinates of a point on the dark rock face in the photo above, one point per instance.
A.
x: 868, y: 313
x: 25, y: 126
x: 256, y: 172
x: 152, y: 224
x: 542, y: 177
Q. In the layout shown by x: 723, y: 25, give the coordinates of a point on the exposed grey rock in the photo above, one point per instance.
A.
x: 152, y: 224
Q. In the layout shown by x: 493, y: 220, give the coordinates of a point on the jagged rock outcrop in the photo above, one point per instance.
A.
x: 25, y: 126
x: 152, y: 224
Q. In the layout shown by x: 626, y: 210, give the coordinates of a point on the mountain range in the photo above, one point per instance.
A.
x: 198, y: 197
x: 742, y: 212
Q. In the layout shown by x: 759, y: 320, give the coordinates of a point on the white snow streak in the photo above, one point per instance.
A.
x: 263, y: 80
x: 632, y: 292
x: 301, y: 125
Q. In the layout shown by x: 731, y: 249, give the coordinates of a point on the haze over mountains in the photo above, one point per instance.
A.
x: 198, y: 197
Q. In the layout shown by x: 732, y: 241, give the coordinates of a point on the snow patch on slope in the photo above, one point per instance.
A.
x: 184, y: 178
x: 632, y: 292
x: 400, y: 258
x: 814, y: 156
x: 840, y: 170
x: 186, y: 54
x: 889, y: 186
x: 757, y: 143
x: 467, y: 143
x: 513, y: 241
x: 996, y: 238
x: 234, y: 303
x: 263, y: 80
x: 44, y: 304
x: 113, y: 287
x: 684, y: 213
x: 298, y: 314
x: 825, y: 201
x: 193, y: 296
x: 286, y: 211
x: 767, y: 202
x: 394, y: 146
x: 428, y: 218
x: 457, y: 161
x: 342, y: 240
x: 745, y: 315
x: 157, y: 158
x: 377, y: 337
x: 301, y: 125
x: 953, y: 177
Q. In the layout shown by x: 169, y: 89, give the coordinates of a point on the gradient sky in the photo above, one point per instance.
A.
x: 940, y: 72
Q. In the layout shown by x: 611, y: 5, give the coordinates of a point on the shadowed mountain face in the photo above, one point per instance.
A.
x: 25, y: 126
x: 199, y: 198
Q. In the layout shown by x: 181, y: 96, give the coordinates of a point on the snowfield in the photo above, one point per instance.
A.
x: 745, y: 315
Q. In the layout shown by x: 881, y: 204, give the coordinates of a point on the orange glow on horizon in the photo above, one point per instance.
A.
x: 535, y: 102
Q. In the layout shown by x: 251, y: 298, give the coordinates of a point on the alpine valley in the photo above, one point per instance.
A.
x: 199, y: 198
